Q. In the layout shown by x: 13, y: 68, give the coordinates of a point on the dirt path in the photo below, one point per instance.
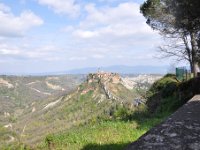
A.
x: 181, y: 131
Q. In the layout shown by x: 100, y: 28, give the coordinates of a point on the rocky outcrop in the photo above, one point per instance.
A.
x: 181, y: 131
x: 103, y: 78
x: 6, y: 83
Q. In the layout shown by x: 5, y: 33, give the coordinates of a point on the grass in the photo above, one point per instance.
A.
x: 103, y: 135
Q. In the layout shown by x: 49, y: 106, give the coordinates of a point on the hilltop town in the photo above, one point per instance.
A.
x: 104, y: 77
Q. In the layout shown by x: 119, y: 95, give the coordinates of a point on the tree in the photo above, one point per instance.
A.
x: 187, y: 21
x: 178, y: 22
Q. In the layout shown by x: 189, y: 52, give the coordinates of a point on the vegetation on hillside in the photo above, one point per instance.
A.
x: 164, y: 97
x: 168, y: 94
x: 20, y: 94
x: 84, y: 105
x: 103, y: 135
x: 98, y: 123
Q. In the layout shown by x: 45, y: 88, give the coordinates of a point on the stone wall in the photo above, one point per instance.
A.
x: 181, y: 131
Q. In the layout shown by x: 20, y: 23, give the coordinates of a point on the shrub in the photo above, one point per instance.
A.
x: 162, y: 96
x: 121, y: 113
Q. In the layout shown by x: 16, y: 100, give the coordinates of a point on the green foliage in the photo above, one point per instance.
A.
x: 104, y: 135
x: 15, y: 146
x: 13, y: 119
x: 5, y: 136
x: 168, y: 94
x: 121, y: 113
x: 167, y: 85
x: 86, y: 96
x: 149, y: 7
x: 189, y: 88
x: 162, y: 96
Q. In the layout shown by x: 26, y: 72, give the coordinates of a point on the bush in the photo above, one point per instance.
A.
x: 168, y: 94
x: 162, y: 96
x: 121, y: 113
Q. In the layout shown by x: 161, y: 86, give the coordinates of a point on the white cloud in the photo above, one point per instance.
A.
x: 25, y: 52
x: 5, y: 51
x: 4, y: 8
x: 66, y: 7
x: 113, y: 33
x: 98, y: 56
x: 67, y: 29
x: 122, y: 20
x: 104, y: 34
x: 106, y: 15
x: 85, y: 34
x: 12, y: 25
x: 77, y: 58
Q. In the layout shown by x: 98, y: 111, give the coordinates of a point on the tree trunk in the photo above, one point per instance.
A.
x: 191, y: 66
x: 194, y: 45
x: 195, y: 68
x: 188, y: 50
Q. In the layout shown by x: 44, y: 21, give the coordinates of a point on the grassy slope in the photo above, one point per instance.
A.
x: 104, y: 135
x: 168, y: 94
x: 74, y: 111
x: 5, y: 137
x: 111, y: 133
x: 116, y: 134
x: 18, y: 99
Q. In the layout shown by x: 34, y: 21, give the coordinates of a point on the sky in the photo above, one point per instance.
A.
x: 39, y: 36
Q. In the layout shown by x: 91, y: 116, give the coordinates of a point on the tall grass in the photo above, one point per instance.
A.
x: 103, y: 135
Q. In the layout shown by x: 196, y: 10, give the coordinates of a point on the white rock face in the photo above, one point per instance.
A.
x: 54, y: 87
x: 6, y: 114
x: 8, y: 126
x: 6, y: 83
x: 33, y: 110
x: 31, y: 83
x: 52, y: 104
x: 45, y: 93
x: 132, y: 82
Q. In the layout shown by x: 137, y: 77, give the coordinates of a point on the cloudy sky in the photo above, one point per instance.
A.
x: 58, y: 35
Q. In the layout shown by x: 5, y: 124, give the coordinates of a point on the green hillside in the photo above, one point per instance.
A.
x: 101, y: 113
x: 19, y: 94
x: 117, y: 132
x: 89, y: 102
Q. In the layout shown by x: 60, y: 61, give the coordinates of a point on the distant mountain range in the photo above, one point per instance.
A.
x: 123, y: 70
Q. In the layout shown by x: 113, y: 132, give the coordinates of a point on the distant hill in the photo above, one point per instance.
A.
x: 34, y: 106
x: 20, y: 92
x: 101, y: 94
x: 123, y: 70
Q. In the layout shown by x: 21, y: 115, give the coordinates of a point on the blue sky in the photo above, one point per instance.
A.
x: 56, y: 35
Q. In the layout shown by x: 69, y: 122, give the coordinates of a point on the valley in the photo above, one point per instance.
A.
x: 20, y: 95
x: 33, y: 107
